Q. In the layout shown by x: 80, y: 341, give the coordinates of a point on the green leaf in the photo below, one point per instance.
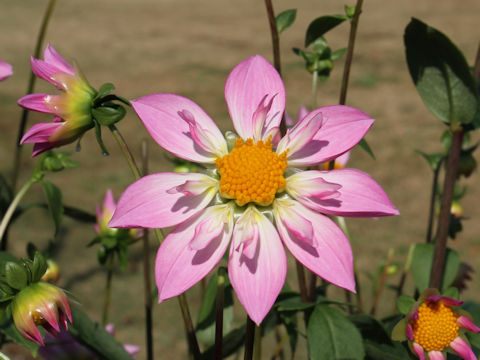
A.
x: 95, y: 337
x: 422, y: 264
x: 98, y: 136
x: 331, y: 335
x: 6, y: 257
x: 350, y: 11
x: 79, y: 214
x: 337, y: 54
x: 364, y: 145
x: 376, y: 351
x: 322, y: 25
x: 104, y: 90
x: 233, y: 341
x: 109, y: 115
x: 440, y: 73
x: 285, y: 19
x: 15, y: 275
x: 6, y: 195
x: 293, y: 304
x: 405, y: 303
x: 474, y: 310
x: 54, y: 201
x: 39, y: 267
x: 452, y: 292
x: 434, y: 160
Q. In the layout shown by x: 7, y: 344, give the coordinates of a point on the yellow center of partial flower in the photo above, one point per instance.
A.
x: 436, y: 326
x: 252, y: 172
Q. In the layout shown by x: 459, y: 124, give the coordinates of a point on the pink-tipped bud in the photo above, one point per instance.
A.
x: 53, y: 272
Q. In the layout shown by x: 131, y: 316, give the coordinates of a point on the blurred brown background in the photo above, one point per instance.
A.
x: 189, y: 47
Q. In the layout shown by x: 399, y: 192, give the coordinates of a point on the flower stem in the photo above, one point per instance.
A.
x: 249, y: 339
x: 349, y: 58
x: 314, y: 86
x: 257, y: 344
x: 125, y: 151
x: 301, y: 281
x: 30, y: 86
x: 431, y: 211
x: 436, y: 274
x: 108, y: 290
x: 192, y: 338
x: 146, y: 271
x: 11, y: 209
x: 219, y: 313
x: 381, y: 284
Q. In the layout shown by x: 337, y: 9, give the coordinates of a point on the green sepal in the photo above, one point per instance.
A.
x: 321, y: 26
x: 57, y: 161
x: 15, y: 275
x: 337, y: 54
x: 434, y: 160
x: 399, y: 332
x: 364, y: 145
x: 54, y: 201
x: 39, y: 267
x: 98, y: 136
x: 405, y: 303
x: 109, y: 115
x: 105, y: 89
x: 285, y: 19
x: 452, y: 292
x: 350, y: 11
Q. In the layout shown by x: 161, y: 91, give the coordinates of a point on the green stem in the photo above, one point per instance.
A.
x: 432, y: 201
x: 349, y: 58
x: 436, y: 275
x: 125, y: 151
x: 146, y: 272
x: 314, y: 86
x: 219, y: 313
x: 301, y: 281
x: 30, y: 87
x: 192, y: 338
x: 108, y: 290
x: 381, y: 284
x: 11, y: 209
x: 249, y: 339
x: 257, y: 344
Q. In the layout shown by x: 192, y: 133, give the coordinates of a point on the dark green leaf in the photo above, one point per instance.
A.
x: 233, y: 341
x: 54, y: 201
x: 6, y: 195
x: 405, y: 303
x: 6, y: 257
x: 39, y: 267
x: 98, y: 136
x: 79, y: 214
x: 364, y: 145
x: 285, y: 19
x: 15, y: 275
x: 434, y: 160
x: 322, y: 25
x: 95, y: 337
x: 474, y: 310
x: 422, y: 264
x: 105, y: 89
x: 331, y: 335
x: 440, y: 73
x: 109, y: 115
x: 377, y: 351
x: 294, y: 304
x: 370, y: 328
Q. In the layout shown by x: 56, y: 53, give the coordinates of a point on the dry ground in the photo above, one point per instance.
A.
x: 189, y: 47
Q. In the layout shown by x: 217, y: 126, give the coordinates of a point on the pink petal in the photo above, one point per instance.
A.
x: 360, y: 195
x: 419, y: 351
x: 435, y: 355
x: 288, y: 119
x: 52, y: 57
x: 246, y: 88
x: 37, y: 102
x: 164, y: 117
x: 257, y: 281
x: 446, y: 300
x: 300, y: 135
x: 178, y: 266
x: 5, y: 70
x: 343, y: 127
x: 131, y: 349
x: 302, y: 112
x: 109, y: 203
x: 147, y: 202
x: 46, y: 71
x: 39, y: 148
x: 328, y: 254
x: 409, y: 332
x: 342, y: 160
x: 468, y: 324
x: 463, y: 350
x: 40, y: 132
x: 110, y: 328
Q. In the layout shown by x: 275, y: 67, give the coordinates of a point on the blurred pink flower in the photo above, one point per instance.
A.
x: 5, y: 70
x: 71, y: 109
x: 434, y: 325
x: 251, y: 197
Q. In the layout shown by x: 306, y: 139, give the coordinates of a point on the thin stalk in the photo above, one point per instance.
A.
x: 249, y: 339
x: 125, y: 151
x: 187, y: 319
x: 312, y: 284
x: 406, y: 269
x: 381, y: 284
x: 314, y: 86
x: 219, y: 313
x: 108, y: 290
x: 432, y: 201
x: 146, y: 271
x: 436, y: 275
x: 349, y: 56
x: 257, y: 344
x: 301, y: 281
x: 11, y: 209
x: 281, y: 340
x: 30, y: 87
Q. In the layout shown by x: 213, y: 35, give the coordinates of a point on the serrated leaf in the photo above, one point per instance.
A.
x: 95, y: 337
x: 364, y: 145
x: 54, y: 201
x: 321, y: 26
x: 39, y: 267
x: 331, y: 335
x: 285, y: 19
x: 422, y: 264
x: 440, y: 73
x: 405, y: 303
x: 15, y: 275
x: 109, y: 115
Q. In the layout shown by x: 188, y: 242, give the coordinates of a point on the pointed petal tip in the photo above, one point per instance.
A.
x: 462, y: 348
x: 468, y: 324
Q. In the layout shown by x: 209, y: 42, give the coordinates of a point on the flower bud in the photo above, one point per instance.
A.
x: 53, y: 272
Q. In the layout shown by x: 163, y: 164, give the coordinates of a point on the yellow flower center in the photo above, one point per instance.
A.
x: 252, y: 172
x: 436, y: 326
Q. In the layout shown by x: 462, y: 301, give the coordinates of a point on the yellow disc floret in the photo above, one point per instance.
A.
x: 436, y: 326
x: 252, y: 172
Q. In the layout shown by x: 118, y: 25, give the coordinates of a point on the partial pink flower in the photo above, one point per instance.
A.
x: 436, y: 325
x: 254, y: 194
x: 5, y: 70
x: 71, y: 109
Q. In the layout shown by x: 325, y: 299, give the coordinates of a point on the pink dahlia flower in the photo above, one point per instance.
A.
x: 71, y: 109
x: 254, y: 194
x: 436, y: 325
x: 5, y: 70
